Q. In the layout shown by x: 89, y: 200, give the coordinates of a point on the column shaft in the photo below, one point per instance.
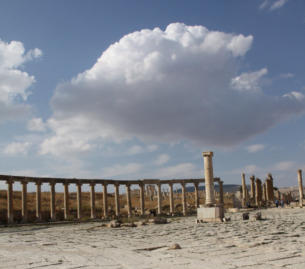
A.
x: 128, y: 200
x: 252, y: 178
x: 66, y: 201
x: 159, y: 198
x: 105, y: 201
x: 117, y: 199
x: 10, y: 210
x: 142, y: 199
x: 171, y: 199
x: 258, y: 192
x: 38, y: 200
x: 183, y: 199
x: 196, y: 186
x: 221, y: 200
x: 52, y: 201
x: 79, y: 200
x: 92, y: 201
x: 300, y: 181
x: 209, y: 178
x: 244, y: 191
x: 24, y: 210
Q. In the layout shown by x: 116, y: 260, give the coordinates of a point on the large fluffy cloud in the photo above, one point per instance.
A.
x: 14, y: 83
x: 183, y: 83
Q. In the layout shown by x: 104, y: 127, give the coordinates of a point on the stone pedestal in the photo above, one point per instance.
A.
x: 210, y: 214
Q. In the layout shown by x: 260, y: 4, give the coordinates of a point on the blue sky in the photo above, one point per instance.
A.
x: 138, y: 89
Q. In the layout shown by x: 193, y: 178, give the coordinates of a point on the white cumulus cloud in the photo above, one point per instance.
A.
x: 17, y: 148
x: 180, y: 84
x: 14, y: 83
x: 36, y: 124
x: 255, y: 148
x: 162, y: 159
x: 272, y: 5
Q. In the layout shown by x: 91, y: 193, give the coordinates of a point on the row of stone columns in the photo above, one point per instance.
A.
x: 259, y: 191
x: 105, y: 201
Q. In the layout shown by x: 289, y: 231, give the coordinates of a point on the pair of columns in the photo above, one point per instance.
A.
x: 24, y: 211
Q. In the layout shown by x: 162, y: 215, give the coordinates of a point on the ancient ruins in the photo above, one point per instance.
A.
x: 105, y: 183
x: 261, y: 194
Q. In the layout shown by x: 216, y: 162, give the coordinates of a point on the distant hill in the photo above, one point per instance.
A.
x: 226, y: 188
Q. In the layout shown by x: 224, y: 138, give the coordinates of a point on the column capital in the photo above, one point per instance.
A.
x: 38, y: 183
x: 207, y: 153
x: 92, y: 184
x: 24, y: 182
x: 66, y: 183
x: 9, y: 181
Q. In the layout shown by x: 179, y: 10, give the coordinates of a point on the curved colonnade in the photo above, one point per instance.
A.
x: 93, y: 182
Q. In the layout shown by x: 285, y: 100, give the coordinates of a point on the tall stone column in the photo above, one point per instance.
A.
x: 252, y: 179
x: 52, y: 201
x: 117, y: 199
x: 258, y: 192
x: 269, y: 190
x: 105, y: 201
x: 128, y: 200
x: 10, y: 209
x: 66, y: 201
x: 196, y: 187
x: 92, y: 200
x: 271, y: 194
x: 24, y: 209
x: 221, y: 201
x: 38, y: 200
x: 264, y: 192
x: 171, y: 199
x: 244, y: 190
x: 209, y: 179
x: 142, y: 198
x: 183, y: 199
x: 79, y: 200
x: 300, y: 181
x: 159, y: 198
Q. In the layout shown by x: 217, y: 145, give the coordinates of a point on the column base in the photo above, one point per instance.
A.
x: 210, y: 214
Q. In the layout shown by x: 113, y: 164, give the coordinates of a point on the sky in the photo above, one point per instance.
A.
x: 139, y: 89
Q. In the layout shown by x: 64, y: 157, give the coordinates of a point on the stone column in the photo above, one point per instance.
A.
x: 244, y: 190
x: 252, y: 179
x: 159, y: 198
x: 24, y: 210
x: 269, y: 190
x: 128, y: 200
x: 271, y: 194
x: 209, y: 179
x: 79, y: 200
x: 66, y: 201
x: 10, y: 209
x: 105, y: 201
x: 38, y: 200
x: 92, y: 200
x: 264, y: 192
x: 117, y: 199
x: 258, y: 192
x: 52, y: 201
x: 171, y: 199
x: 183, y: 199
x: 221, y: 201
x: 196, y: 186
x: 300, y: 187
x: 142, y: 199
